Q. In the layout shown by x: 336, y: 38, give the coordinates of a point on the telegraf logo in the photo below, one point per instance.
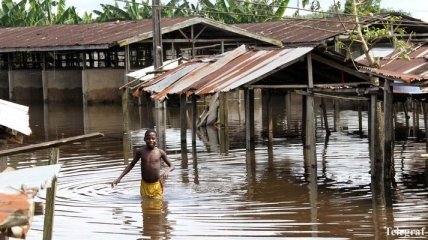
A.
x: 404, y: 232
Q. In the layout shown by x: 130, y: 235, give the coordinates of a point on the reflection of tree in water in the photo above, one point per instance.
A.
x: 155, y: 223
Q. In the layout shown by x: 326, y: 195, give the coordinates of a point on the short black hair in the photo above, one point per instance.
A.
x: 146, y: 135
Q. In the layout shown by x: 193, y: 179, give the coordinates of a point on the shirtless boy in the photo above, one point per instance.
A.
x: 151, y: 157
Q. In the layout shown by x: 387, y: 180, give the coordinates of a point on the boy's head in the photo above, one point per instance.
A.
x: 150, y: 138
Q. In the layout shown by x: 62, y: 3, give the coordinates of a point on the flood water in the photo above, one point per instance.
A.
x: 226, y: 193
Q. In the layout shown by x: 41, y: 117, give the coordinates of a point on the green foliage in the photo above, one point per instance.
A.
x: 232, y: 11
x: 36, y: 12
x: 365, y: 7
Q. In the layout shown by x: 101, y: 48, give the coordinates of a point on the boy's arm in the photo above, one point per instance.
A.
x: 171, y: 167
x: 127, y: 169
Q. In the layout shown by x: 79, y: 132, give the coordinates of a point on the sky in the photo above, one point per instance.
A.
x: 417, y: 8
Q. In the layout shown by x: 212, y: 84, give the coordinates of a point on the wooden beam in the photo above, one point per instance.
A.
x: 56, y: 143
x: 340, y: 67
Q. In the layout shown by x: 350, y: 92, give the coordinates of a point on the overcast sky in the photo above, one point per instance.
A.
x: 418, y: 8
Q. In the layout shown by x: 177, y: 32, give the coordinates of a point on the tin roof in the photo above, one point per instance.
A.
x: 394, y: 67
x: 104, y: 35
x: 313, y: 31
x: 223, y: 73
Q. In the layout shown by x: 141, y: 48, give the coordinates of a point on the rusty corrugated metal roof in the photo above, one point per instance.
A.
x: 300, y: 31
x: 397, y: 68
x: 232, y: 70
x: 102, y: 35
x: 314, y: 31
x: 96, y: 35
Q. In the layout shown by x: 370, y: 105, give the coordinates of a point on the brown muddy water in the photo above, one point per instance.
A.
x: 217, y: 194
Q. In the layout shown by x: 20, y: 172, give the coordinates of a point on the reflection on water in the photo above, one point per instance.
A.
x: 216, y: 193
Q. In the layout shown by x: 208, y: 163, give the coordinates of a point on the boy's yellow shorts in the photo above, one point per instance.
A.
x: 152, y: 190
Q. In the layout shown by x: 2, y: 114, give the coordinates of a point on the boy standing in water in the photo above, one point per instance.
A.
x: 151, y: 159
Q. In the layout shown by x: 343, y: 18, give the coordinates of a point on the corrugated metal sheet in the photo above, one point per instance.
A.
x: 94, y: 34
x: 413, y: 70
x: 104, y: 35
x: 234, y: 69
x: 300, y: 31
x: 15, y: 116
x: 312, y: 32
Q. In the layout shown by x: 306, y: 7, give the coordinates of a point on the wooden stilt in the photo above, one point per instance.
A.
x: 249, y: 119
x: 269, y: 116
x: 373, y: 131
x: 360, y: 119
x: 194, y: 121
x: 288, y: 110
x: 407, y: 117
x: 324, y: 112
x: 388, y: 131
x: 224, y: 125
x: 336, y: 124
x: 310, y: 138
x: 183, y: 118
x: 425, y: 111
x: 194, y: 118
x: 417, y: 112
x: 414, y: 118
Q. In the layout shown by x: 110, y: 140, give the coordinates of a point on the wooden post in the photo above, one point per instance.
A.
x: 223, y: 110
x: 425, y: 109
x: 249, y: 119
x: 269, y: 116
x: 224, y: 125
x: 183, y: 118
x: 85, y: 81
x: 125, y: 108
x: 45, y: 84
x: 373, y: 134
x: 157, y: 35
x: 310, y: 138
x: 324, y: 112
x: 418, y: 111
x: 288, y: 110
x: 360, y: 120
x: 194, y: 119
x: 336, y: 124
x: 406, y: 115
x: 50, y: 199
x: 414, y: 117
x: 10, y: 77
x: 388, y: 130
